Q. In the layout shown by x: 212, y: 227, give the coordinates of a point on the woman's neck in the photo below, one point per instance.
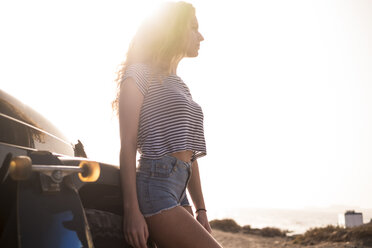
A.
x: 169, y: 68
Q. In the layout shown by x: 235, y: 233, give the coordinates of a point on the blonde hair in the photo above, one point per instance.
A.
x: 160, y: 41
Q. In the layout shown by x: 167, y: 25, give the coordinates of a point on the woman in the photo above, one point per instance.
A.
x: 158, y: 118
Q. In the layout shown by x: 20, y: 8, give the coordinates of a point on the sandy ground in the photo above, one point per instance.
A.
x: 232, y: 240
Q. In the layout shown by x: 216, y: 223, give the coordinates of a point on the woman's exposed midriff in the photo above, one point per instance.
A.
x: 183, y: 155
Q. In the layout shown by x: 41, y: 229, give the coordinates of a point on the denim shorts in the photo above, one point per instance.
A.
x: 161, y: 184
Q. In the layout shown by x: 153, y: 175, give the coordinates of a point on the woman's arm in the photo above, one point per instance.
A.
x: 196, y: 194
x: 130, y: 102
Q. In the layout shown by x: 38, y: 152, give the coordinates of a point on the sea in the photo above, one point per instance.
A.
x: 297, y: 221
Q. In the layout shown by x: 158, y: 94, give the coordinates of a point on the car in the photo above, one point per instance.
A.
x: 51, y: 194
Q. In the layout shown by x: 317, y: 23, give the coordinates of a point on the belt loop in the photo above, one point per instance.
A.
x: 190, y: 165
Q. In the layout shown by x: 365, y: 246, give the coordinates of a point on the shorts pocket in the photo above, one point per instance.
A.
x: 164, y: 169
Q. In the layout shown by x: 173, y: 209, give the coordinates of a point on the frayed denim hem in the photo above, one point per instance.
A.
x: 158, y: 212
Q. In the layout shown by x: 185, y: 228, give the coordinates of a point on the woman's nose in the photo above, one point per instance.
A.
x: 201, y: 38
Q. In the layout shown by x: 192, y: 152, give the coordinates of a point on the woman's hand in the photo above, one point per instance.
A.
x: 201, y: 216
x: 135, y: 229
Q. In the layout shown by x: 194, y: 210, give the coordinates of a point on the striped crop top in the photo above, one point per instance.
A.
x: 170, y: 121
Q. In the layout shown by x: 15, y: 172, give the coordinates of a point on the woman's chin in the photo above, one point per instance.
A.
x: 193, y: 54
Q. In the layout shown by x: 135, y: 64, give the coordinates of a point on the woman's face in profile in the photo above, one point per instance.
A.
x: 194, y: 38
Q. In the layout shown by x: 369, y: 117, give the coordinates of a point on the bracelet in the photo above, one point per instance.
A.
x: 200, y: 209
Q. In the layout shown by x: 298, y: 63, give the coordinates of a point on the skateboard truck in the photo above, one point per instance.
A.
x: 51, y: 176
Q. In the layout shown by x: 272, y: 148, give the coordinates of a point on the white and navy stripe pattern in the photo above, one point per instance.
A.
x: 170, y: 121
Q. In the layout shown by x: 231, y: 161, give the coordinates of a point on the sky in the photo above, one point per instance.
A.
x: 285, y: 89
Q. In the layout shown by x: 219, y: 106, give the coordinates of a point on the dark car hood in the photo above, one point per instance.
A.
x: 22, y: 126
